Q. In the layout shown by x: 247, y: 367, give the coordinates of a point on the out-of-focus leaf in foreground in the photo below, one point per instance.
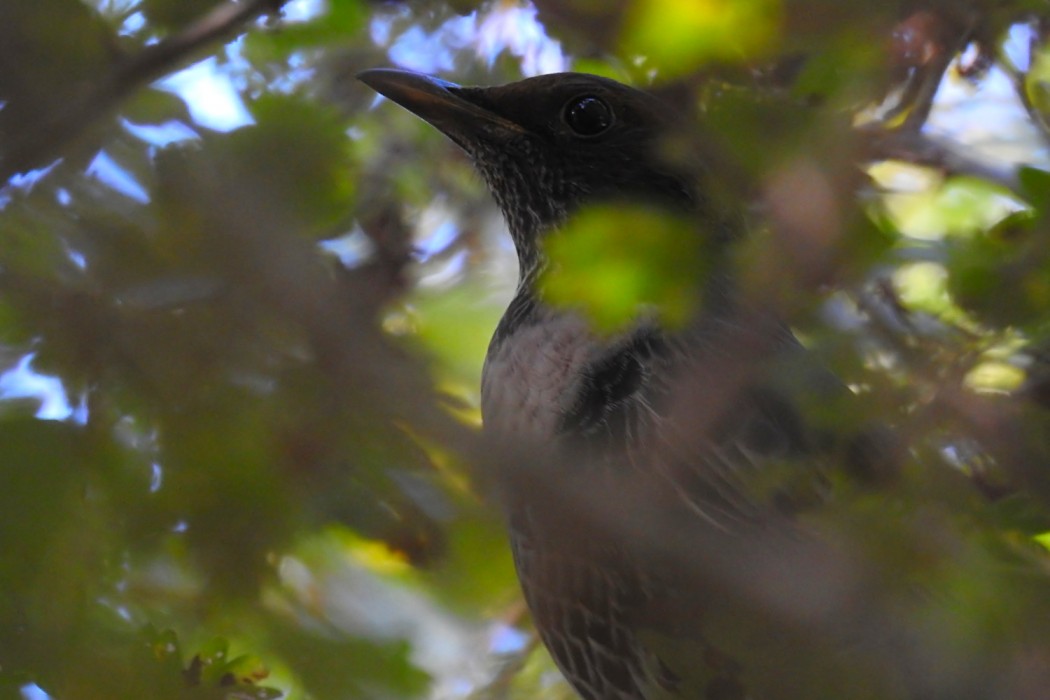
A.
x: 610, y: 261
x: 680, y: 35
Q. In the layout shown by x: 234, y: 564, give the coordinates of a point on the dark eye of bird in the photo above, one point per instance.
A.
x: 588, y: 116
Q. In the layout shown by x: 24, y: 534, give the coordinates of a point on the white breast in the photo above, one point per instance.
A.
x: 532, y: 378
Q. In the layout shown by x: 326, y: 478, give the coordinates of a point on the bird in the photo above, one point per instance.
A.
x: 605, y: 409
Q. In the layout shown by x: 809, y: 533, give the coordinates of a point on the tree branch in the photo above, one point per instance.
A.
x: 1018, y: 78
x: 48, y: 138
x: 919, y: 149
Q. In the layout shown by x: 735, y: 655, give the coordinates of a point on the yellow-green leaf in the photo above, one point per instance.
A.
x: 617, y: 263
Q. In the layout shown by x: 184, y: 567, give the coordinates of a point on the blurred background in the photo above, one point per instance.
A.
x: 244, y: 305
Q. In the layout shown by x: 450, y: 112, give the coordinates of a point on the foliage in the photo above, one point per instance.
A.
x: 239, y: 348
x: 649, y: 261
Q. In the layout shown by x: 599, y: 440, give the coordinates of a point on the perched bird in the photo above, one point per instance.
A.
x: 600, y: 576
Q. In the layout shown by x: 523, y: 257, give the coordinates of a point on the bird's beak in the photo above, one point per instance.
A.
x: 441, y: 104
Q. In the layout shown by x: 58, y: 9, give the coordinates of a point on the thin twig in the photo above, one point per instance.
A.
x: 919, y: 149
x: 1017, y: 79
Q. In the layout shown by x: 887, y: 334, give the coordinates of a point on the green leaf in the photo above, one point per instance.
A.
x: 680, y: 35
x: 298, y: 155
x: 348, y: 668
x: 1035, y: 185
x: 455, y: 326
x: 960, y: 206
x: 175, y: 14
x: 341, y: 19
x: 618, y: 263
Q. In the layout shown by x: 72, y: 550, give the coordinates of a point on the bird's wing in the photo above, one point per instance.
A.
x: 624, y: 406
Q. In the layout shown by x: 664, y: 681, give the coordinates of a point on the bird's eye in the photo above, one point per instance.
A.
x: 588, y: 116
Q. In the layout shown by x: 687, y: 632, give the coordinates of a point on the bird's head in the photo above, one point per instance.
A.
x: 549, y: 144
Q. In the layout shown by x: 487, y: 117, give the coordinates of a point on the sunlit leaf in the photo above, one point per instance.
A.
x: 456, y: 325
x: 923, y: 286
x: 619, y: 263
x: 961, y: 206
x: 995, y: 376
x: 1035, y: 184
x: 679, y: 35
x: 1037, y: 81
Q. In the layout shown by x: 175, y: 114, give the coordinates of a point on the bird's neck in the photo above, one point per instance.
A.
x: 718, y: 291
x: 532, y: 262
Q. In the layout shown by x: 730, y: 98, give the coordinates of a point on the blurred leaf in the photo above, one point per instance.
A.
x: 1035, y: 184
x: 175, y: 14
x: 51, y: 50
x: 610, y: 261
x: 479, y: 573
x: 680, y: 35
x: 223, y: 484
x: 760, y: 129
x: 213, y: 666
x: 961, y: 206
x: 297, y: 154
x: 154, y: 106
x: 455, y: 326
x: 1003, y: 275
x: 337, y: 20
x: 995, y: 376
x: 1037, y: 82
x: 331, y: 667
x: 29, y: 246
x: 843, y: 70
x: 923, y: 287
x: 1021, y: 514
x: 41, y: 466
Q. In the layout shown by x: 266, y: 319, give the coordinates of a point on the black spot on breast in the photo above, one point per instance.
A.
x: 608, y: 388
